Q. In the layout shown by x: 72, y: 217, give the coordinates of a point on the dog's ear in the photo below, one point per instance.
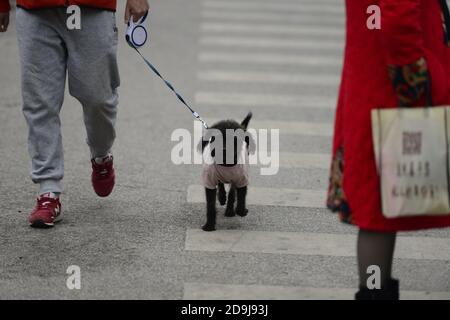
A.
x: 245, y: 122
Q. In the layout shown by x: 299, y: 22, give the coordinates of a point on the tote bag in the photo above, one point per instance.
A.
x: 411, y: 147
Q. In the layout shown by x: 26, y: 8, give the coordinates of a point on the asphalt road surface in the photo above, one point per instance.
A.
x: 280, y: 59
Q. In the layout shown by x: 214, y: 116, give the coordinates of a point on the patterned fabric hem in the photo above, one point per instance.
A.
x: 336, y: 200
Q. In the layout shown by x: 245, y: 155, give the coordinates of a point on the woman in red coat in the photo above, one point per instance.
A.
x: 387, y: 67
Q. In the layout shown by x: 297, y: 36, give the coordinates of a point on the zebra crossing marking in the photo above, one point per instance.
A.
x: 283, y: 197
x: 268, y: 58
x: 260, y: 99
x: 277, y: 43
x: 272, y: 29
x: 299, y: 18
x: 278, y: 6
x: 305, y: 160
x: 268, y: 77
x: 215, y: 291
x: 304, y: 243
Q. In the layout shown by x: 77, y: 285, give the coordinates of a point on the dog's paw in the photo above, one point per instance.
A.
x: 229, y: 212
x: 241, y: 212
x: 209, y: 227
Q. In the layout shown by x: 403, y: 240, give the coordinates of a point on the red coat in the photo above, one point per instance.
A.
x: 33, y: 4
x: 410, y: 29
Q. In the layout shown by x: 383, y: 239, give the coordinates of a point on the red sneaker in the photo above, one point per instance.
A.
x: 103, y: 177
x: 46, y: 212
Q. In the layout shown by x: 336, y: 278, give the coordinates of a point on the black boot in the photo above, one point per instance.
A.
x: 390, y: 292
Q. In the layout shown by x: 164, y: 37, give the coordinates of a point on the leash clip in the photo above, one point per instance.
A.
x: 197, y: 116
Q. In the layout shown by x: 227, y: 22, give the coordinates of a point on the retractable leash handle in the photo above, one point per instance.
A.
x: 136, y: 37
x: 137, y: 32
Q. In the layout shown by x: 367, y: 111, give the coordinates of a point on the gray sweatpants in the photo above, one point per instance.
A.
x: 48, y: 50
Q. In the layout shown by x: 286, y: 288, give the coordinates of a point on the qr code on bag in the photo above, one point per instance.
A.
x: 412, y: 143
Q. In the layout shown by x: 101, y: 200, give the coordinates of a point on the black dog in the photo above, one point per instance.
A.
x: 226, y: 170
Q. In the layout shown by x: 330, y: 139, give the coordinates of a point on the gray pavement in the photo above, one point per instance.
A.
x: 134, y: 244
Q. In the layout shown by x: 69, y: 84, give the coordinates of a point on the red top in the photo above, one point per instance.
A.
x: 31, y: 4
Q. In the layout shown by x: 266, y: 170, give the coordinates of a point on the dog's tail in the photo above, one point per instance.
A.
x: 245, y: 122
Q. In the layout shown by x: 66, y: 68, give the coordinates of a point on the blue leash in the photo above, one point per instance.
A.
x: 168, y: 84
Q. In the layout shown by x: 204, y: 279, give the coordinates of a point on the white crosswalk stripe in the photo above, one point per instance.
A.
x: 271, y: 29
x: 268, y: 77
x: 215, y: 291
x: 298, y: 19
x: 275, y: 43
x: 279, y: 6
x: 281, y: 197
x: 305, y: 160
x: 303, y: 243
x: 256, y: 100
x: 268, y: 58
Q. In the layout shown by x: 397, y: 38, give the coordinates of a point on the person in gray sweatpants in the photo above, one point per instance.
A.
x: 89, y: 56
x: 50, y: 52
